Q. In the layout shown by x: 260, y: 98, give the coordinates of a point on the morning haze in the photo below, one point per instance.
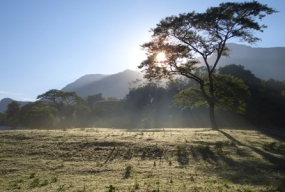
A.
x: 142, y: 96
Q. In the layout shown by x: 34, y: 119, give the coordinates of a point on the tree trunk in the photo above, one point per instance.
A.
x: 212, y: 116
x: 211, y: 102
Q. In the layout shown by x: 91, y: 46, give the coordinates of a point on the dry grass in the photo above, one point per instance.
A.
x: 141, y: 160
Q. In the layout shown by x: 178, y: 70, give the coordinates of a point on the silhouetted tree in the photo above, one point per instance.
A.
x: 147, y: 102
x: 3, y: 119
x: 183, y: 37
x: 230, y: 94
x: 36, y: 115
x: 110, y: 113
x: 12, y: 112
x: 65, y: 103
x: 265, y: 106
x: 91, y: 99
x: 255, y: 84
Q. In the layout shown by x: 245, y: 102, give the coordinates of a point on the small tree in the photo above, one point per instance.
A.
x: 182, y: 38
x: 12, y: 112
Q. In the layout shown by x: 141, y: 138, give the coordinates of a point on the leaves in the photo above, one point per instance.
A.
x: 185, y: 36
x: 230, y: 94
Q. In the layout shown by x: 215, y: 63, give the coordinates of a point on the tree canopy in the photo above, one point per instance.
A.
x: 64, y: 102
x: 182, y: 38
x: 230, y: 94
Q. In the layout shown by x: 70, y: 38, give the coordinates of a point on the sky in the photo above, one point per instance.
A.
x: 48, y: 44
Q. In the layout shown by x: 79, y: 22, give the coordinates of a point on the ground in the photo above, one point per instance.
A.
x: 97, y: 159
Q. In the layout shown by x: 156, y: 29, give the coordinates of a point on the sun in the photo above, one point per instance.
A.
x: 161, y: 56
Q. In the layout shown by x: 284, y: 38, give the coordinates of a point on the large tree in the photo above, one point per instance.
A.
x: 36, y: 115
x: 182, y: 38
x: 65, y: 103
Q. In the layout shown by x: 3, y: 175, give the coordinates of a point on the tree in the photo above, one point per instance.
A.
x: 64, y: 102
x: 12, y: 112
x: 110, y: 113
x: 2, y: 119
x: 230, y: 94
x: 91, y: 99
x: 182, y: 38
x: 254, y: 83
x: 147, y: 104
x: 36, y: 115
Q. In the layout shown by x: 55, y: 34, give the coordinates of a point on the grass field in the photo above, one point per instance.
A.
x: 141, y: 160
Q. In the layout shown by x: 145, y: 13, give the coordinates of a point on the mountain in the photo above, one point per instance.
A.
x: 116, y: 85
x: 265, y: 63
x: 4, y: 103
x: 83, y: 81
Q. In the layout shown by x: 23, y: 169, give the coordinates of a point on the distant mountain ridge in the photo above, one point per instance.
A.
x: 83, y: 81
x: 116, y: 85
x: 265, y: 63
x: 5, y: 102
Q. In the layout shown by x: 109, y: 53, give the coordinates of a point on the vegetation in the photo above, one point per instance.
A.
x: 66, y: 103
x: 183, y: 37
x: 153, y: 105
x: 94, y: 159
x: 152, y: 159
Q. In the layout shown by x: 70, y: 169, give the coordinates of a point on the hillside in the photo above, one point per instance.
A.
x: 265, y: 63
x: 4, y: 103
x: 116, y: 85
x: 83, y: 81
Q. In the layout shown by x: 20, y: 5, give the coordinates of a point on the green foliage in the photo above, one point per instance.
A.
x: 3, y: 119
x: 65, y: 103
x: 240, y: 72
x: 128, y: 171
x: 204, y: 148
x: 13, y: 109
x: 12, y: 112
x: 54, y: 180
x: 32, y: 175
x: 147, y: 103
x: 39, y: 111
x: 35, y: 183
x: 230, y: 94
x: 91, y: 99
x: 183, y: 37
x: 266, y: 95
x: 181, y: 150
x: 111, y: 188
x: 44, y: 183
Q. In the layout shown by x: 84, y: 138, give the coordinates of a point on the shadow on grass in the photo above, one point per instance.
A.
x: 244, y: 169
x: 250, y: 172
x: 278, y: 162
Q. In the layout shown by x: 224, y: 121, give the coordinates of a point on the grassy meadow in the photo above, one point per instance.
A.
x: 98, y: 159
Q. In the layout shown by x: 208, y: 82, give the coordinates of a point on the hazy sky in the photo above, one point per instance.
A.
x: 48, y: 44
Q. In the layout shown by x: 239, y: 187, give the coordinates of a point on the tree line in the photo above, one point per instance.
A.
x: 175, y: 104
